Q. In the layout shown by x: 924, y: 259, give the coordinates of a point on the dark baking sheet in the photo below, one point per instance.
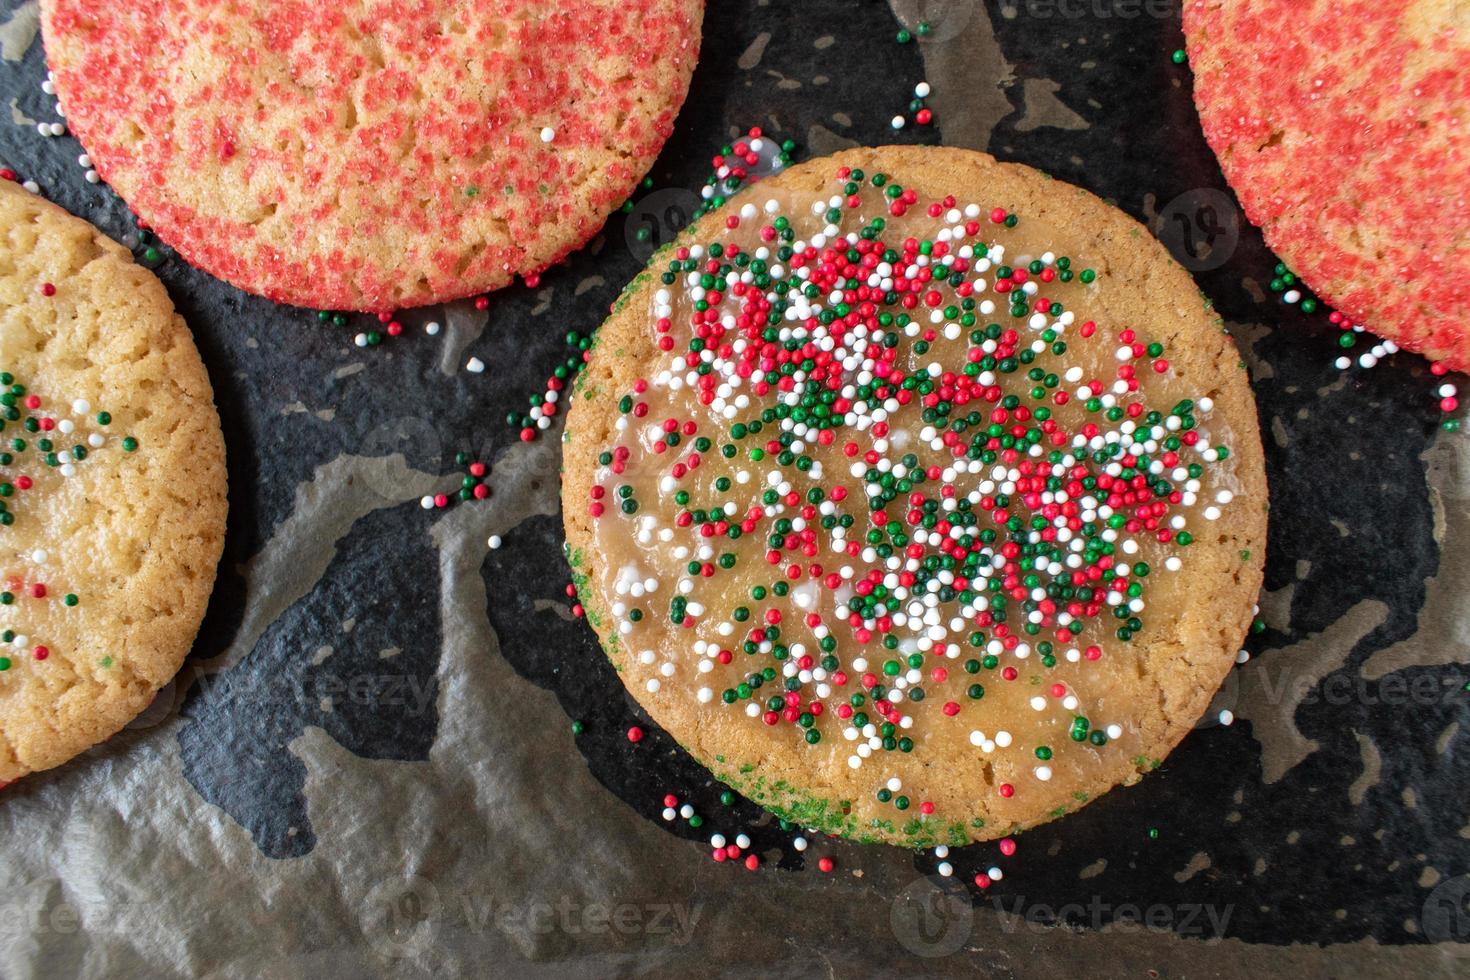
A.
x: 368, y: 764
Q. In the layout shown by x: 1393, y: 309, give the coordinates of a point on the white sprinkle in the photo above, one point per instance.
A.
x: 426, y: 502
x: 898, y: 122
x: 432, y: 328
x: 922, y: 90
x: 475, y: 366
x: 1226, y: 717
x: 547, y: 134
x: 360, y: 340
x: 494, y: 542
x: 799, y: 843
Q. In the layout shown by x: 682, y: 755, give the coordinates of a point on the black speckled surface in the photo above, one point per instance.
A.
x: 368, y: 767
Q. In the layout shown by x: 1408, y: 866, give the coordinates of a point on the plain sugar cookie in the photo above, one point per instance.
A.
x: 112, y: 486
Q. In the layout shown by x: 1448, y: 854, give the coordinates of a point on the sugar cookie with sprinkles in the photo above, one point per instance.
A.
x: 919, y: 496
x: 1341, y: 125
x: 112, y: 486
x: 373, y: 154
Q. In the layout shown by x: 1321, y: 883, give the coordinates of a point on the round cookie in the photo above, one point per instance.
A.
x: 112, y: 480
x: 929, y: 535
x: 372, y: 155
x: 1341, y: 127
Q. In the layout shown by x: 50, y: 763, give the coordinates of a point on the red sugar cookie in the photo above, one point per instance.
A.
x: 372, y: 154
x: 1341, y: 125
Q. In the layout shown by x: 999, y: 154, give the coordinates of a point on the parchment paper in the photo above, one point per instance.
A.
x: 368, y: 766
